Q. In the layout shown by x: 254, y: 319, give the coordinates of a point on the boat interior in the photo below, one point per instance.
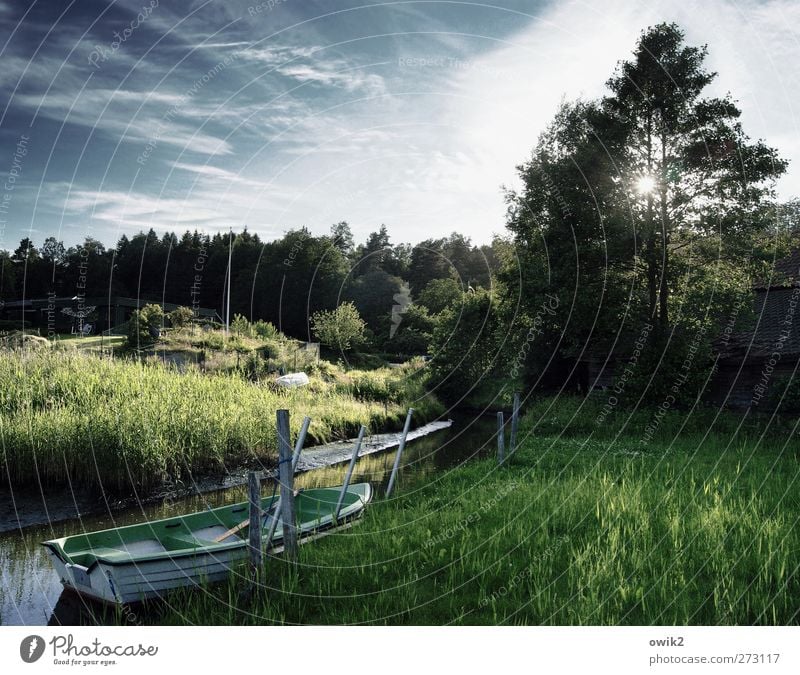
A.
x: 193, y: 531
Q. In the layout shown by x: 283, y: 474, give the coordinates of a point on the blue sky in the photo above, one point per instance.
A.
x: 277, y: 115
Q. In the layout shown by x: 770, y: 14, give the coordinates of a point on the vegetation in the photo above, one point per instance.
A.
x: 641, y: 211
x: 466, y: 346
x: 67, y: 417
x: 340, y: 329
x: 180, y: 317
x: 317, y: 272
x: 577, y: 528
x: 144, y: 326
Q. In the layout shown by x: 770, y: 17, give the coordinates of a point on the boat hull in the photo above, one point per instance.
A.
x: 126, y: 579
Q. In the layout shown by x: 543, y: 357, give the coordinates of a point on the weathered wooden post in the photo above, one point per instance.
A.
x: 501, y: 439
x: 400, y: 449
x: 298, y: 446
x: 254, y: 485
x: 273, y: 525
x: 286, y: 477
x: 514, y: 425
x: 349, y: 473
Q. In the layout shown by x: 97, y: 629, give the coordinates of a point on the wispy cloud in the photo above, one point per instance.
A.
x: 326, y: 121
x: 316, y: 65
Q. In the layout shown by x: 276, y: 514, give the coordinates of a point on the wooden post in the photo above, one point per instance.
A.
x: 400, y: 448
x: 298, y: 446
x: 286, y: 478
x: 254, y: 484
x: 273, y: 525
x: 501, y: 439
x: 514, y: 425
x: 349, y: 473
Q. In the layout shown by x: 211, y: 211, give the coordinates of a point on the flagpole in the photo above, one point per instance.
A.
x: 228, y: 300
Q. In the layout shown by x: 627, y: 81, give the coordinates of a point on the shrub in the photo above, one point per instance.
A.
x: 144, y: 326
x: 265, y: 330
x: 180, y: 317
x: 241, y: 326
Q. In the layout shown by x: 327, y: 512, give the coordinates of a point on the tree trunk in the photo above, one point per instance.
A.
x: 663, y: 293
x: 651, y: 252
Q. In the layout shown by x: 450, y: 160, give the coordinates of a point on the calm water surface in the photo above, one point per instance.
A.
x: 30, y: 592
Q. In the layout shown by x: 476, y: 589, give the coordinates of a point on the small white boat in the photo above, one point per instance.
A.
x: 138, y: 562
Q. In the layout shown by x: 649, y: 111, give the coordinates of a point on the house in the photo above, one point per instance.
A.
x: 753, y: 362
x: 756, y: 353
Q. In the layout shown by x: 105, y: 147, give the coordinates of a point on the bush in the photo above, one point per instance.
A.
x: 144, y: 327
x: 265, y: 330
x: 241, y: 326
x: 180, y: 317
x: 784, y: 394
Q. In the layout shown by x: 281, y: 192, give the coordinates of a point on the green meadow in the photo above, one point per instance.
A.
x: 585, y: 524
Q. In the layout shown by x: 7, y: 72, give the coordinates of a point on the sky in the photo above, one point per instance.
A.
x: 124, y: 116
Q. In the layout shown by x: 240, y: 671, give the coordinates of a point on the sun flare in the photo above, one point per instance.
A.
x: 645, y: 185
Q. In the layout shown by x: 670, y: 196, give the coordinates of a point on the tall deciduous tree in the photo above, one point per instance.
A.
x: 684, y: 159
x: 624, y: 197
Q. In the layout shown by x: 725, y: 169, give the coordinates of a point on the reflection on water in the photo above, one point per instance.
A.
x: 30, y: 592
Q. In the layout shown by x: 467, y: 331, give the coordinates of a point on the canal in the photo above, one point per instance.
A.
x: 31, y: 594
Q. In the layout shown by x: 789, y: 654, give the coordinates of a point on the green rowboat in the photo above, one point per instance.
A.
x: 138, y: 562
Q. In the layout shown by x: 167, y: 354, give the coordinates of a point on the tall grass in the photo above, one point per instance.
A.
x: 571, y: 531
x: 70, y: 416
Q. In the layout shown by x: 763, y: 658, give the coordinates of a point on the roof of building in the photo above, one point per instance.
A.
x: 776, y: 307
x: 785, y: 272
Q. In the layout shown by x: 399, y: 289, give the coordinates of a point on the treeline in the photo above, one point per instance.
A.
x: 283, y: 281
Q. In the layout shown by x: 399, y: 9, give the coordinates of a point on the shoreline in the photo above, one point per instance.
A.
x: 24, y: 507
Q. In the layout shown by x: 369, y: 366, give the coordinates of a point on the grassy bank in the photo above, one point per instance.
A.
x: 70, y: 417
x: 575, y: 530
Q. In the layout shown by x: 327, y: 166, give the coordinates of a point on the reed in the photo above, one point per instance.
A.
x: 68, y: 417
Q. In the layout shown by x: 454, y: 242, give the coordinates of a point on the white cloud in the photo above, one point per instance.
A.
x: 503, y: 99
x: 315, y: 65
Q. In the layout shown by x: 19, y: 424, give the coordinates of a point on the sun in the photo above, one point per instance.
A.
x: 645, y: 184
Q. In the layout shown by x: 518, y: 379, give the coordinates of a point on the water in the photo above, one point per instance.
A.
x: 31, y: 594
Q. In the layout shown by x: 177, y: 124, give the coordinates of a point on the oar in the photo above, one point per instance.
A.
x: 243, y: 524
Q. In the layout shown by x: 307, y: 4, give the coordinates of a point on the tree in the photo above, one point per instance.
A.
x: 440, y: 294
x: 342, y: 237
x: 372, y: 255
x: 341, y: 328
x: 624, y: 198
x: 413, y: 334
x: 428, y: 261
x: 685, y: 160
x: 373, y: 295
x: 144, y: 326
x: 26, y: 251
x: 53, y: 251
x: 465, y: 346
x: 7, y: 276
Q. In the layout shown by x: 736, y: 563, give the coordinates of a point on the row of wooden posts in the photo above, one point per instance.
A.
x: 287, y: 465
x: 284, y: 505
